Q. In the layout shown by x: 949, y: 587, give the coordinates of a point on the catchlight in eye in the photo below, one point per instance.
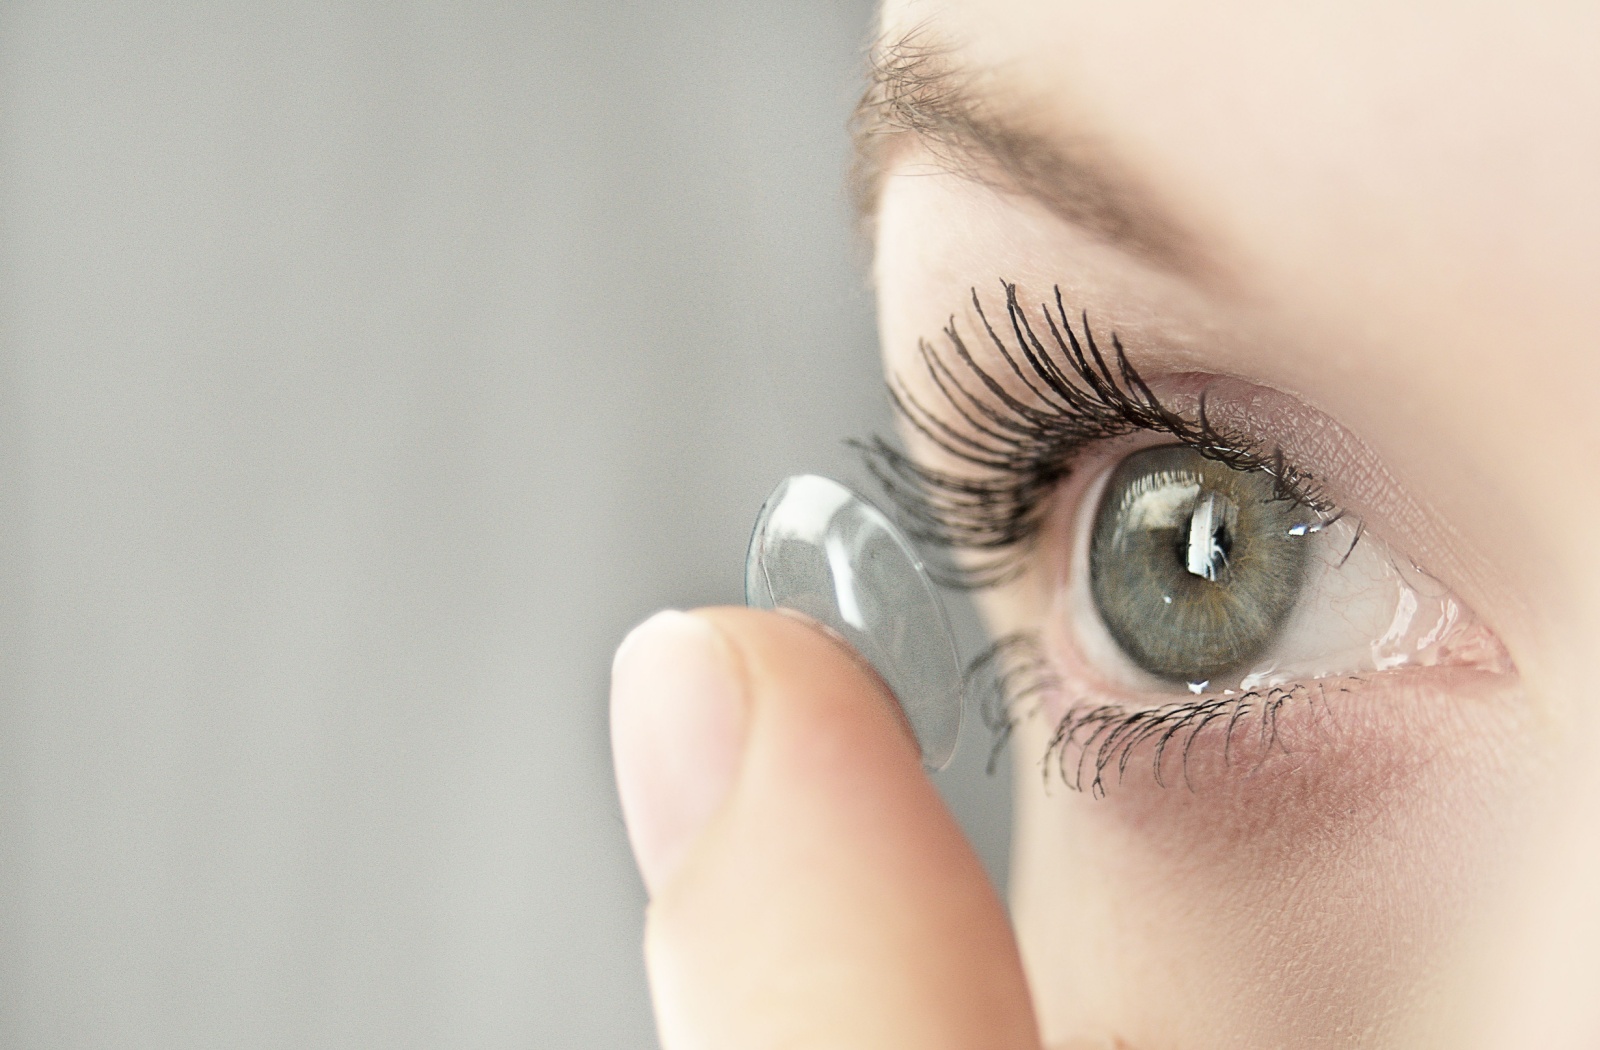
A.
x: 820, y: 549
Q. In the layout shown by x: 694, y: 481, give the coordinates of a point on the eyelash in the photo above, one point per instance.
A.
x: 1023, y: 452
x: 1095, y: 740
x: 1026, y: 450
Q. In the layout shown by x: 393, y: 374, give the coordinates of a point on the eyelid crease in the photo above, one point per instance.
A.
x: 1011, y: 447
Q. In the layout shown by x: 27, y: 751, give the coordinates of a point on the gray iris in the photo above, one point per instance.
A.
x: 1192, y: 564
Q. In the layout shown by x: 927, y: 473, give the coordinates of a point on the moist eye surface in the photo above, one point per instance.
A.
x: 1194, y: 566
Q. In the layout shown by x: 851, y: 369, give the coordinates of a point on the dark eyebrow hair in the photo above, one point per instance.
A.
x: 917, y: 93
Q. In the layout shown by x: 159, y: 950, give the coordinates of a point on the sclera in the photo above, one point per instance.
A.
x: 822, y: 550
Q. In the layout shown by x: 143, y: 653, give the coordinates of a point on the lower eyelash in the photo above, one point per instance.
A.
x: 1105, y: 737
x: 1013, y: 679
x: 1023, y: 449
x: 1094, y: 741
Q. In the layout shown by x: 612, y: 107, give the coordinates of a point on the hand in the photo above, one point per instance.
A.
x: 808, y: 887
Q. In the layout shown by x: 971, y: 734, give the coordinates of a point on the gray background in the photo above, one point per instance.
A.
x: 367, y: 370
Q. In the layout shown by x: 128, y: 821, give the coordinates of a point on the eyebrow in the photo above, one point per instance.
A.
x: 918, y: 94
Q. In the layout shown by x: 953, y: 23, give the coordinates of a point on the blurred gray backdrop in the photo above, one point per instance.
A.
x: 366, y: 370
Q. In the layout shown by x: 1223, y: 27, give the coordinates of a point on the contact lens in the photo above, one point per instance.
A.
x: 820, y: 549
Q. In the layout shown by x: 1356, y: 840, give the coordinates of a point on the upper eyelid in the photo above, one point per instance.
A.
x: 1079, y: 395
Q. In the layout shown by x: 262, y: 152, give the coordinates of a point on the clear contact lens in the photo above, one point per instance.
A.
x: 822, y: 550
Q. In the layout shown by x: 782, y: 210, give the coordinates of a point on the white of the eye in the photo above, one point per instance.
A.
x: 1361, y: 608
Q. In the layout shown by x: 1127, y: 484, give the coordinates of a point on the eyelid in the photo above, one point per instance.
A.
x: 1353, y: 476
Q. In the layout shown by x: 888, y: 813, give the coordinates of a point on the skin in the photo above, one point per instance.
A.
x: 1378, y: 224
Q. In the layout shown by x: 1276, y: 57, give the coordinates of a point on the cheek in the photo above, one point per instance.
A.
x: 1299, y: 885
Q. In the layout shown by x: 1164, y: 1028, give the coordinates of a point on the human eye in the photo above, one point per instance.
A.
x: 1190, y: 580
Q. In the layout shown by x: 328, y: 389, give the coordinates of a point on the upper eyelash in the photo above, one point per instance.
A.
x: 1023, y: 451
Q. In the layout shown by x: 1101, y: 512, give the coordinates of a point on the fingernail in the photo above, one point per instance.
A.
x: 677, y: 732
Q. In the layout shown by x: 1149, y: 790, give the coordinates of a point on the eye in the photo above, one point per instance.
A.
x: 1208, y: 578
x: 1145, y: 540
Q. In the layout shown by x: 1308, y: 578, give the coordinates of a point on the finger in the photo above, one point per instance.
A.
x: 809, y: 888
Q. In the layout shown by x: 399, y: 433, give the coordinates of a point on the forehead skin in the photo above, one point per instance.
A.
x: 1404, y: 198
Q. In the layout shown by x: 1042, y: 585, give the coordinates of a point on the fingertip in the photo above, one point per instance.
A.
x: 784, y: 649
x: 678, y: 721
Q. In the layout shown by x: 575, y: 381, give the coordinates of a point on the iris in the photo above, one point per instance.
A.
x: 1194, y: 565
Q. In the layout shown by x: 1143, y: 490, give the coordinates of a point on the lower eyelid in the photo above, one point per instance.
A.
x: 1343, y: 750
x: 1099, y: 742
